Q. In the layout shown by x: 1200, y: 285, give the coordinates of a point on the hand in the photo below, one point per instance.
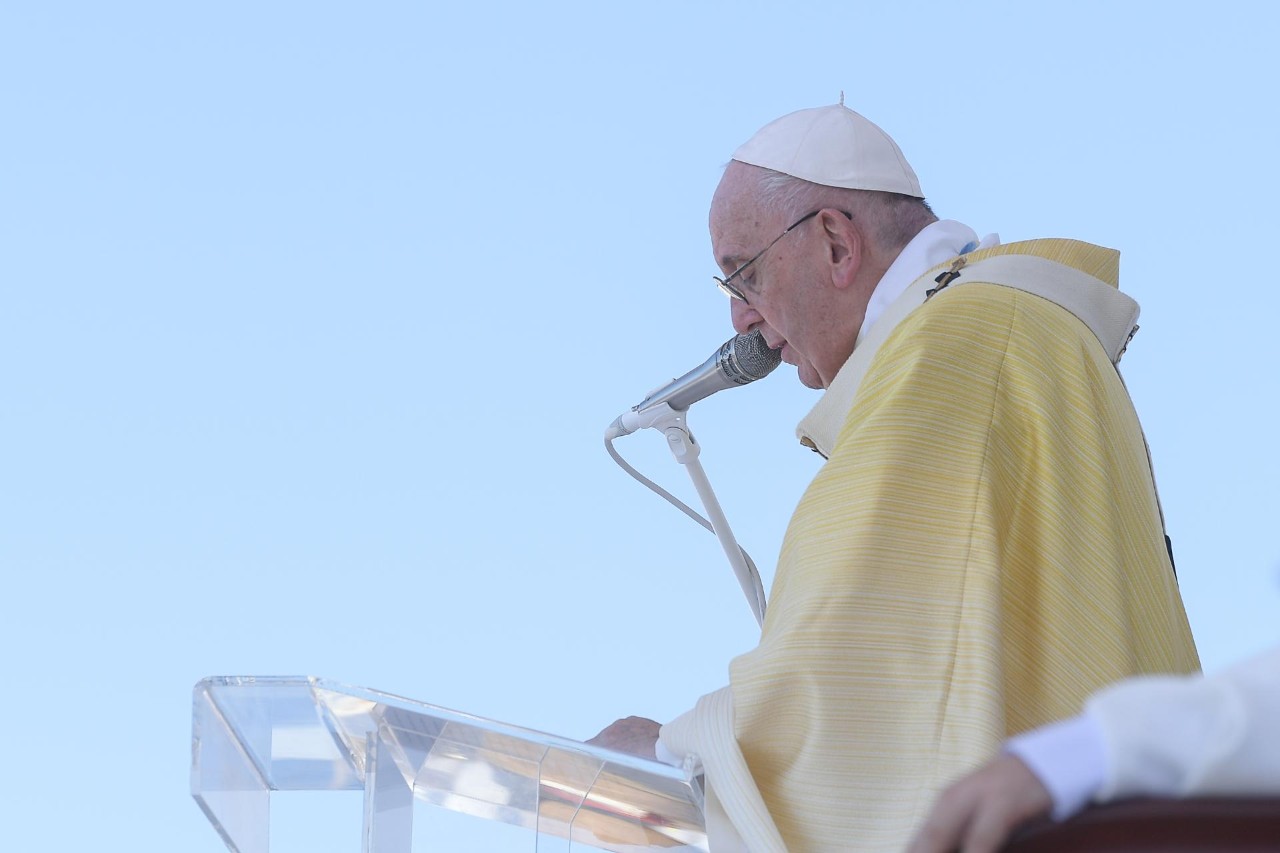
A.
x: 634, y: 735
x: 977, y: 813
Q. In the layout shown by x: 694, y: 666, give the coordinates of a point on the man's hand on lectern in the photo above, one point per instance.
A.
x: 635, y: 735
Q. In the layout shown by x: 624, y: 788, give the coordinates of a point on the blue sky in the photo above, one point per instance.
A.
x: 312, y: 317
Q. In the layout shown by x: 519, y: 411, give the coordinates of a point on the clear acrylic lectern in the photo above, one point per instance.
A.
x: 252, y: 736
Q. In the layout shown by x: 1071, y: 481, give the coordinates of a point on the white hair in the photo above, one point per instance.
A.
x: 890, y: 219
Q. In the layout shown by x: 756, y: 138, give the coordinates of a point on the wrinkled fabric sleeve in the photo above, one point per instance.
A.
x: 1188, y: 736
x: 735, y: 809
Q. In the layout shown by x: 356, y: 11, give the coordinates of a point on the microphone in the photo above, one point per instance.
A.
x: 739, y: 360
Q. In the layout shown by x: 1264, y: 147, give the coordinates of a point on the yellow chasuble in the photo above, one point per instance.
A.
x: 982, y: 550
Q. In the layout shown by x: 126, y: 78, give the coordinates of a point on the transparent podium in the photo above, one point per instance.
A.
x: 253, y: 736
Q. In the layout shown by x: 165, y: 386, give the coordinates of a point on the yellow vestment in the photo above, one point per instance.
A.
x: 982, y: 550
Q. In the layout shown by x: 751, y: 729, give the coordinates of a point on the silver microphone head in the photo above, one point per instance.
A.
x: 739, y: 360
x: 746, y: 358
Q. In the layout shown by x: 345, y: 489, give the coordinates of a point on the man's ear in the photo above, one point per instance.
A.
x: 844, y: 244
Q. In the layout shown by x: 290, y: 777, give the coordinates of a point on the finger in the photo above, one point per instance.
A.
x: 945, y: 826
x: 988, y: 830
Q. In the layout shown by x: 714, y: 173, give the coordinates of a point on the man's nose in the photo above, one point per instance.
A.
x: 743, y: 316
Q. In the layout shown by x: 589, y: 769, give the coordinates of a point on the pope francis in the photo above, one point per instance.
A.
x: 983, y: 547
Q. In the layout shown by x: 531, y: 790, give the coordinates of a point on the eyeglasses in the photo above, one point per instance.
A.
x: 732, y: 290
x: 726, y: 284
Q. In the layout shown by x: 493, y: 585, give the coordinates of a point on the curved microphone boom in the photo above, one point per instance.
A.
x: 739, y: 360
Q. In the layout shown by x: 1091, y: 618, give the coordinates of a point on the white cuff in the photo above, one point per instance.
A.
x: 666, y: 756
x: 1069, y: 758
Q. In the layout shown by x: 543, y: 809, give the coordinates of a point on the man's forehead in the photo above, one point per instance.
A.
x: 731, y: 238
x: 736, y: 224
x: 736, y: 204
x: 736, y: 185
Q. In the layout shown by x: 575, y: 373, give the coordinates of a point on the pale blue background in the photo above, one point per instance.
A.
x: 312, y: 316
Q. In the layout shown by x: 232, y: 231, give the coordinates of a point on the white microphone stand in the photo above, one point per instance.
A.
x: 685, y: 449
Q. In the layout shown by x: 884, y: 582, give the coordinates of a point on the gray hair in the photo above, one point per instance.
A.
x: 891, y: 220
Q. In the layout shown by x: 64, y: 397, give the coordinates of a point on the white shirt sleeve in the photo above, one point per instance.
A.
x: 1192, y: 735
x: 1068, y: 758
x: 1164, y: 736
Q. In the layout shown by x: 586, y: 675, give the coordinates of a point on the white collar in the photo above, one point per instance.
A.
x: 937, y: 242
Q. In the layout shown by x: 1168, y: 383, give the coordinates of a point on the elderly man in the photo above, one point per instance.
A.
x: 983, y: 546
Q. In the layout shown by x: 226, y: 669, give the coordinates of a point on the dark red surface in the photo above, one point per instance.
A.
x: 1183, y: 826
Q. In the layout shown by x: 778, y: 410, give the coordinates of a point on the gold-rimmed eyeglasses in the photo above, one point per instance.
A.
x: 727, y: 284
